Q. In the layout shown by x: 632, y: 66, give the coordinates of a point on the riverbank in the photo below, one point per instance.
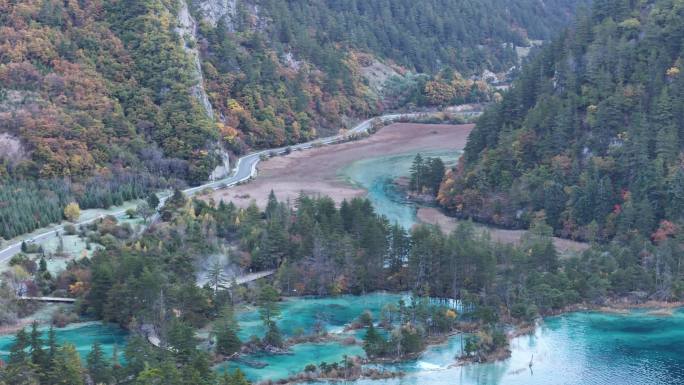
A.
x: 623, y: 306
x: 316, y: 171
x: 435, y: 216
x: 428, y: 212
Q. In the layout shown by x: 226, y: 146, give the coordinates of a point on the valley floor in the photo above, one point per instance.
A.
x: 316, y: 171
x: 435, y: 216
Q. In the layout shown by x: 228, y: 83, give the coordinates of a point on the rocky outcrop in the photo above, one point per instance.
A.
x: 187, y: 30
x: 223, y: 169
x: 214, y: 10
x: 11, y: 149
x: 376, y: 72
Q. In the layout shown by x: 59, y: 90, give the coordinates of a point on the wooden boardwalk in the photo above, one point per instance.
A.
x: 247, y: 278
x: 49, y: 299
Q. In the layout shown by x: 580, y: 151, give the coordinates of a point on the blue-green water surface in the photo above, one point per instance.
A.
x: 303, y: 316
x: 572, y: 349
x: 575, y: 349
x: 83, y: 335
x: 376, y: 176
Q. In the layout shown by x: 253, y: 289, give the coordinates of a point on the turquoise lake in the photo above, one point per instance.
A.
x: 83, y: 335
x: 375, y: 175
x: 302, y: 315
x: 573, y: 349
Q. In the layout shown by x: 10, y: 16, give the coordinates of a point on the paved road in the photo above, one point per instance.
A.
x: 244, y: 170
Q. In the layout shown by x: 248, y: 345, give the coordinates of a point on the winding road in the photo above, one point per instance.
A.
x: 244, y: 170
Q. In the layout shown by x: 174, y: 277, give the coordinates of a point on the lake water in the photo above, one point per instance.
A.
x: 575, y: 349
x: 83, y: 335
x: 375, y: 175
x: 302, y: 315
x: 572, y: 349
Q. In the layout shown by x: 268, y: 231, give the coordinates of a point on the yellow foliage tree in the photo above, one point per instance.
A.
x: 439, y: 93
x: 72, y: 211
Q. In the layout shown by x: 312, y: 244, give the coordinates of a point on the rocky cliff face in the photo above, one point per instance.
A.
x: 214, y: 10
x: 187, y: 30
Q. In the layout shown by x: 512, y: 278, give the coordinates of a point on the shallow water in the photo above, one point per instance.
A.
x: 83, y: 335
x: 302, y: 315
x: 572, y: 349
x: 375, y: 175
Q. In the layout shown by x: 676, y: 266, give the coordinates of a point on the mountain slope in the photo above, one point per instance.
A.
x: 590, y: 138
x: 102, y: 101
x: 83, y: 82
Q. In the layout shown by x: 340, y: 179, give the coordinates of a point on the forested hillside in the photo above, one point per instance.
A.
x: 466, y: 35
x: 150, y: 93
x: 590, y: 140
x: 591, y: 135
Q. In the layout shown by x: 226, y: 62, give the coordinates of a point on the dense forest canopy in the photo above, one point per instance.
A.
x: 85, y: 85
x: 426, y: 36
x: 591, y: 135
x: 589, y: 140
x: 150, y: 281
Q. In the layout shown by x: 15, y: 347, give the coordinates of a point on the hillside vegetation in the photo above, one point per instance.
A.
x: 425, y: 36
x: 590, y: 140
x: 141, y: 94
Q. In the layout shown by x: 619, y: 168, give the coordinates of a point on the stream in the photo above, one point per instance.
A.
x: 376, y: 176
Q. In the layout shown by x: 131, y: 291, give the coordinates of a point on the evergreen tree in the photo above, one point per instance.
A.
x: 273, y: 337
x: 373, y: 343
x: 436, y: 174
x: 675, y: 207
x: 417, y: 173
x: 399, y: 248
x: 53, y: 347
x: 236, y: 378
x: 20, y: 369
x: 269, y: 310
x: 18, y: 355
x: 153, y: 201
x: 38, y: 355
x: 98, y: 369
x: 268, y: 302
x: 66, y: 367
x: 225, y: 330
x: 272, y: 205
